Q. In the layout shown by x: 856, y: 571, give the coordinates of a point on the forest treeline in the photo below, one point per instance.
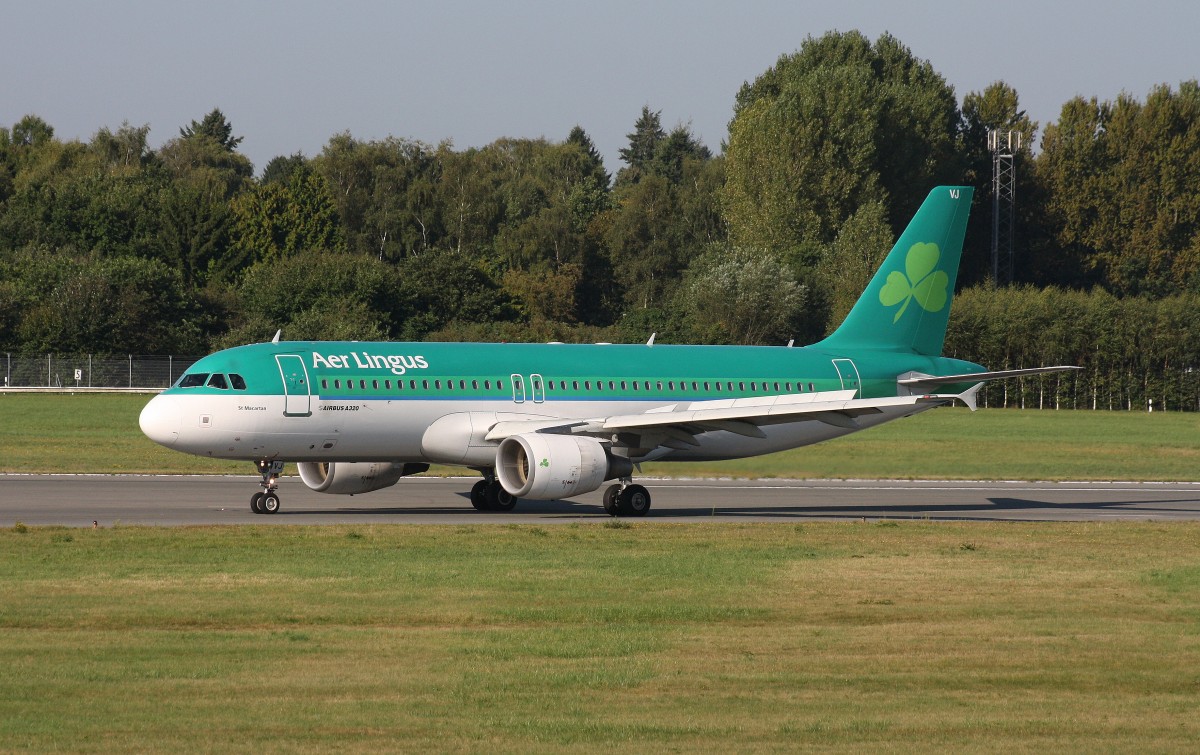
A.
x: 111, y: 246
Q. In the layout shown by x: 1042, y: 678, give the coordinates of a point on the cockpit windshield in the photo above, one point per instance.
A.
x: 193, y: 380
x: 218, y: 381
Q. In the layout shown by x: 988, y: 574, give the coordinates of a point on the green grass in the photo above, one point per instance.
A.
x: 99, y: 434
x: 833, y: 636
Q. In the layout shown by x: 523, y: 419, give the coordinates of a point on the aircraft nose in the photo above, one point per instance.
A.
x: 160, y: 421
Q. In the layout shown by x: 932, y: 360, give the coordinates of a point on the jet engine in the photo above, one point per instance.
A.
x: 350, y: 478
x: 544, y: 466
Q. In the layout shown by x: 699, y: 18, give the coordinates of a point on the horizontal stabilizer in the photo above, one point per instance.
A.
x: 916, y: 381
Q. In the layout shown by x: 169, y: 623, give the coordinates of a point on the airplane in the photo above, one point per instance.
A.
x: 554, y: 421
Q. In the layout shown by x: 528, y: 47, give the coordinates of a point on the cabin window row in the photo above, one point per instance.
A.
x: 587, y: 385
x: 682, y: 386
x: 375, y: 385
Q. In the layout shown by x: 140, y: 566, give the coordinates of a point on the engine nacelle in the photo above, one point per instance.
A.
x: 351, y: 478
x: 544, y: 466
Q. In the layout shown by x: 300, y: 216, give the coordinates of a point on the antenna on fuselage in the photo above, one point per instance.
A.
x: 650, y: 340
x: 278, y: 333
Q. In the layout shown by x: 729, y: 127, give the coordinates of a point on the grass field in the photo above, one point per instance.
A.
x: 99, y: 433
x: 832, y: 636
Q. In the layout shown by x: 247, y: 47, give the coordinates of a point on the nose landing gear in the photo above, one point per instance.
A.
x: 267, y: 502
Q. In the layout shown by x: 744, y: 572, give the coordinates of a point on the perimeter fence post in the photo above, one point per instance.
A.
x: 89, y: 370
x: 49, y: 369
x: 170, y: 370
x: 130, y: 370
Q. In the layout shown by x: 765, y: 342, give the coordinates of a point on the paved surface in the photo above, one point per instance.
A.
x: 78, y: 500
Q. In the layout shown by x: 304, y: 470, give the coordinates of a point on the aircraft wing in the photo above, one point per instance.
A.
x: 675, y: 426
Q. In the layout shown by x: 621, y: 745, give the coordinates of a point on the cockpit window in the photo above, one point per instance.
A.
x: 218, y: 381
x: 236, y: 381
x: 193, y: 380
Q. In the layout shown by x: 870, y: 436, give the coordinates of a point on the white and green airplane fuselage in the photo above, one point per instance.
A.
x: 551, y: 421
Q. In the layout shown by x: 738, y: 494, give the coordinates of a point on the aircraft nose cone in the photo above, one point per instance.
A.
x: 160, y: 421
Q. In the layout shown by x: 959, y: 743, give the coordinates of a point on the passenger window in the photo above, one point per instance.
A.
x: 362, y: 384
x: 218, y: 381
x: 487, y: 385
x: 387, y: 385
x: 718, y: 387
x: 375, y: 384
x: 449, y: 385
x: 425, y: 385
x: 635, y: 385
x: 706, y: 385
x: 474, y: 385
x: 437, y: 385
x: 412, y: 385
x: 236, y: 381
x: 658, y: 385
x: 587, y: 385
x: 810, y: 386
x: 193, y: 381
x: 349, y: 385
x: 623, y: 386
x: 575, y: 384
x: 324, y: 384
x: 462, y: 385
x: 500, y: 385
x: 612, y: 386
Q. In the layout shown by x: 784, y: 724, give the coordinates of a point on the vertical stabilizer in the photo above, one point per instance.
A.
x: 907, y: 304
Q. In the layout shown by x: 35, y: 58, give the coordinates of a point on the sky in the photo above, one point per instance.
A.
x: 289, y: 75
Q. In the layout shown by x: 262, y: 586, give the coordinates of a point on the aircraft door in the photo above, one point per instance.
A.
x: 518, y: 386
x: 848, y: 374
x: 538, y: 388
x: 297, y: 400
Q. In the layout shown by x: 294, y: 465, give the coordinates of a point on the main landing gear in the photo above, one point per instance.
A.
x: 489, y: 495
x: 626, y: 499
x: 267, y: 502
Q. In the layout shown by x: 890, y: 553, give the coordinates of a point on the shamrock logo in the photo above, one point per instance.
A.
x: 922, y: 282
x: 544, y: 463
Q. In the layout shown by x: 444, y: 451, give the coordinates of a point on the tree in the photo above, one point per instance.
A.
x: 272, y: 221
x: 742, y: 296
x: 840, y: 123
x: 280, y: 168
x: 852, y: 259
x: 643, y: 145
x: 214, y: 126
x: 1118, y: 178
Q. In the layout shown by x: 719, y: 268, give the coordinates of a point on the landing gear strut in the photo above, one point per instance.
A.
x: 489, y: 495
x: 626, y: 499
x: 267, y: 502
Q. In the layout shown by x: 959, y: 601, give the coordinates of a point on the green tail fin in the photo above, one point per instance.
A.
x: 907, y: 304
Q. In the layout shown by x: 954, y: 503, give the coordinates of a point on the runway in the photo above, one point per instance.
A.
x: 80, y: 500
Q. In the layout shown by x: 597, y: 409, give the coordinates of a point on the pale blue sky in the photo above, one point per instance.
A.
x: 289, y: 75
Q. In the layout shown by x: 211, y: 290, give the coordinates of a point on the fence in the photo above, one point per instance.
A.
x: 91, y: 371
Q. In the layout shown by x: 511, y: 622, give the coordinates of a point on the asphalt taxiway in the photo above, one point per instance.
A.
x: 80, y: 500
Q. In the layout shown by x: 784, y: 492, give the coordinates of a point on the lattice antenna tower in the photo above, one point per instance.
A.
x: 1004, y: 146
